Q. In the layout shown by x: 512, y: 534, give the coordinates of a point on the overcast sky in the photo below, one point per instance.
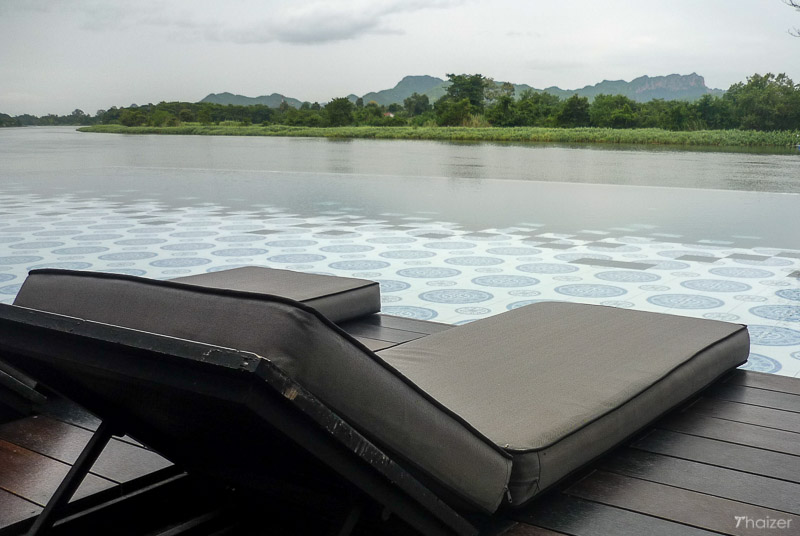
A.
x: 56, y: 56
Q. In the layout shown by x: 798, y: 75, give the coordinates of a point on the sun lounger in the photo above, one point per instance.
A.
x: 244, y: 386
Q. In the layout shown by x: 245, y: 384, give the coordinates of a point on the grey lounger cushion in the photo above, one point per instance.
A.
x: 338, y: 298
x: 558, y: 384
x: 338, y: 370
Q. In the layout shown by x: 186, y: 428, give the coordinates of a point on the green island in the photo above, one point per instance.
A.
x: 762, y: 112
x: 643, y: 136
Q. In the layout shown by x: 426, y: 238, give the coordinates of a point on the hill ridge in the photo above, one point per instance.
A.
x: 641, y: 89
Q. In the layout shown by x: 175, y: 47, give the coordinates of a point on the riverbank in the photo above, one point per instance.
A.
x: 651, y: 136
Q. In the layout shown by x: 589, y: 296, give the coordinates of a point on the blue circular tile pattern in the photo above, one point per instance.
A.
x: 685, y: 301
x: 128, y: 256
x: 715, y: 285
x: 82, y: 250
x: 725, y: 317
x: 732, y: 271
x: 150, y: 230
x: 627, y: 276
x: 780, y: 313
x: 450, y: 245
x: 456, y: 296
x: 389, y: 285
x: 428, y: 272
x: 58, y: 233
x: 239, y: 252
x: 63, y: 265
x: 297, y: 258
x: 36, y: 245
x: 407, y: 254
x: 346, y: 248
x: 180, y: 262
x: 140, y: 241
x: 240, y: 238
x: 188, y: 246
x: 19, y: 259
x: 194, y: 234
x: 505, y: 281
x: 547, y: 268
x: 474, y: 261
x: 110, y: 226
x: 587, y: 290
x: 761, y: 363
x: 291, y: 243
x: 358, y: 265
x: 513, y: 251
x: 408, y: 311
x: 96, y: 237
x: 773, y: 335
x: 391, y: 240
x: 473, y: 311
x: 10, y: 290
x: 789, y: 294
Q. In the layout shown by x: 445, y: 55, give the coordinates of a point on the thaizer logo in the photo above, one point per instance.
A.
x: 747, y: 522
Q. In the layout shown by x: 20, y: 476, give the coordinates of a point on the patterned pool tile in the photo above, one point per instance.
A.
x: 427, y: 269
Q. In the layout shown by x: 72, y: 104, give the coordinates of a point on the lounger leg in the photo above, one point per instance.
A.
x: 351, y: 520
x: 73, y: 479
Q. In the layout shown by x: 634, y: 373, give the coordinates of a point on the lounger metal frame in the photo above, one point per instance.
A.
x: 44, y: 345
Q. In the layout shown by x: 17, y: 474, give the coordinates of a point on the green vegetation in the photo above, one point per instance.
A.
x: 764, y: 111
x: 710, y: 138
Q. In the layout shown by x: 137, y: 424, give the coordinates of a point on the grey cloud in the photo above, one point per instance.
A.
x: 318, y: 22
x: 287, y: 21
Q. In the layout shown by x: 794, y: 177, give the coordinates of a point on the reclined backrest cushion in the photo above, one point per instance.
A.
x: 343, y: 374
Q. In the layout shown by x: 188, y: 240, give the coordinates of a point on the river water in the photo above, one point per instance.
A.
x: 453, y: 231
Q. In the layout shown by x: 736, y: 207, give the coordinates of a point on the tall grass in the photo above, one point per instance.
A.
x: 649, y: 136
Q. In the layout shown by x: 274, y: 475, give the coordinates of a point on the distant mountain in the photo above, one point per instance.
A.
x: 673, y: 87
x: 405, y: 88
x: 645, y: 88
x: 273, y: 101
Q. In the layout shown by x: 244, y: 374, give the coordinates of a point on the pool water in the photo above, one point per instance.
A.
x: 428, y: 269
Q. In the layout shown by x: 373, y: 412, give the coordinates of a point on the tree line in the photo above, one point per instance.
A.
x: 769, y: 102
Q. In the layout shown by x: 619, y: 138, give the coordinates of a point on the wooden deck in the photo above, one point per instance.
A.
x: 728, y: 462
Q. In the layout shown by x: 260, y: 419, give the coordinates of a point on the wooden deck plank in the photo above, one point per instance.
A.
x: 14, y: 509
x: 577, y: 517
x: 709, y: 479
x: 746, y: 413
x: 375, y: 345
x: 407, y: 324
x: 35, y: 477
x: 755, y: 396
x: 529, y: 530
x: 687, y: 507
x: 71, y: 413
x: 733, y: 432
x: 739, y: 457
x: 120, y: 461
x: 360, y: 329
x: 760, y: 380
